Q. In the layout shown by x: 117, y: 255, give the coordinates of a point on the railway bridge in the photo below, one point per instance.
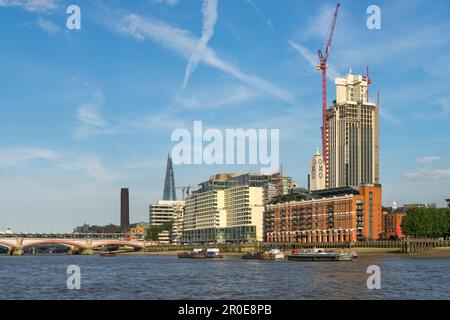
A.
x: 77, y: 245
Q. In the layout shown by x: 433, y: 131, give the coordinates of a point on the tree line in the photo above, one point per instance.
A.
x: 426, y: 222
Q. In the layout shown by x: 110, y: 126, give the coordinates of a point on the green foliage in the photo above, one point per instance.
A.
x: 153, y: 231
x: 426, y: 222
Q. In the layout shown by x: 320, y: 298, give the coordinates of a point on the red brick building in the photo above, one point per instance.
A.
x: 392, y: 223
x: 333, y: 215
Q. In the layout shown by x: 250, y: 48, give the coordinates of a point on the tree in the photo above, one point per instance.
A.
x: 426, y: 222
x: 153, y: 232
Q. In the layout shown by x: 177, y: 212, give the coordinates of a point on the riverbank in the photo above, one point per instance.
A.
x: 443, y: 252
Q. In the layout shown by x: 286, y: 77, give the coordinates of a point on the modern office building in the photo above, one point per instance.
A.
x: 170, y: 192
x: 221, y: 214
x: 165, y: 211
x: 124, y: 209
x: 272, y: 184
x: 316, y: 172
x: 165, y: 237
x: 344, y: 214
x: 353, y: 135
x: 168, y: 211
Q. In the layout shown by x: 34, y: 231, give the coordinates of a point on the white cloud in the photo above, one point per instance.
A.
x: 48, y: 26
x: 90, y: 122
x: 427, y: 160
x: 183, y: 43
x: 319, y: 25
x: 19, y: 156
x: 31, y: 5
x: 168, y: 2
x: 313, y: 60
x: 261, y: 14
x: 429, y: 174
x: 209, y: 12
x: 215, y: 99
x: 90, y: 165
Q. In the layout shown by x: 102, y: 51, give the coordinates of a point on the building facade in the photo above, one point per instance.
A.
x: 273, y: 184
x: 165, y: 211
x: 332, y: 215
x: 168, y: 211
x: 448, y: 202
x: 392, y: 219
x: 352, y: 135
x: 233, y: 214
x: 316, y: 172
x: 289, y: 184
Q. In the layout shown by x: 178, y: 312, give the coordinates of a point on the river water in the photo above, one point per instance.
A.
x: 166, y: 277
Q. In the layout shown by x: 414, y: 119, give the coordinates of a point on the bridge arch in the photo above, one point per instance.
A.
x: 62, y: 242
x: 117, y: 243
x: 6, y: 245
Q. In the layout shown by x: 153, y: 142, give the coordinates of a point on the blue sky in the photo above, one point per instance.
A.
x: 86, y: 112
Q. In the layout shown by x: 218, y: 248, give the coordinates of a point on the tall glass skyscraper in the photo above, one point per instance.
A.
x: 170, y: 192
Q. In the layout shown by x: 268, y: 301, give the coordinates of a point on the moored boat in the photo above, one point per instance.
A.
x: 272, y: 254
x: 321, y: 255
x: 201, y: 254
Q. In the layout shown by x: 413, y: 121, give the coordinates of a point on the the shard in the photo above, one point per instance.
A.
x: 170, y: 193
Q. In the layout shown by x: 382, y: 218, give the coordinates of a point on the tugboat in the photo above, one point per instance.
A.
x: 321, y: 255
x: 272, y: 254
x: 201, y: 254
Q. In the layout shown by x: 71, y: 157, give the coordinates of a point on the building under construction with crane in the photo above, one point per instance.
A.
x: 350, y: 127
x: 352, y: 135
x: 348, y: 208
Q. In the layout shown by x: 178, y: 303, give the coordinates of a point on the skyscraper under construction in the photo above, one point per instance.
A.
x: 170, y: 192
x: 353, y: 135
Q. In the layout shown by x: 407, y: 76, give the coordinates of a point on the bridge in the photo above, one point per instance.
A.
x: 77, y: 244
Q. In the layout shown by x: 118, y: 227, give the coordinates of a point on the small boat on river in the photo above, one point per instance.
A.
x: 272, y: 254
x: 201, y: 254
x: 321, y: 255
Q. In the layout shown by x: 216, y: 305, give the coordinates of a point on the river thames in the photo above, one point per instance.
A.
x: 167, y: 277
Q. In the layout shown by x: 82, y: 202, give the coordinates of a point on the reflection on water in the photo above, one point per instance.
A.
x: 161, y: 277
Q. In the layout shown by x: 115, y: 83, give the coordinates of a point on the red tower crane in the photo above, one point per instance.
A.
x: 323, y: 65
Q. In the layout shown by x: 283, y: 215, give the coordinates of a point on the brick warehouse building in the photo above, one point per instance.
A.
x: 333, y: 215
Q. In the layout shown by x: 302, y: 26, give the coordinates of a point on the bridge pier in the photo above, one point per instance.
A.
x: 73, y: 250
x: 17, y: 251
x: 87, y: 251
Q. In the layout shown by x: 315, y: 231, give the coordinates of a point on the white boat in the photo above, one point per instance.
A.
x: 321, y: 255
x: 276, y: 253
x: 272, y: 254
